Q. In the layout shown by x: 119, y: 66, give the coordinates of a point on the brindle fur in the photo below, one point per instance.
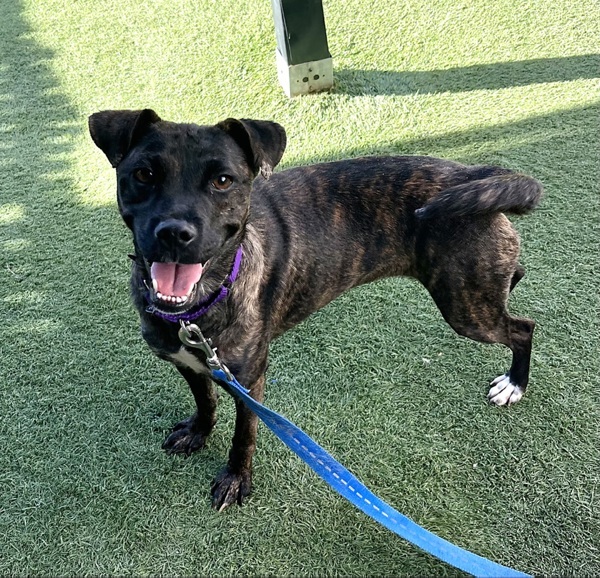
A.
x: 308, y: 234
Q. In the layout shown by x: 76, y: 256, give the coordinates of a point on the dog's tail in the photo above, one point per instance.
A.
x: 500, y: 190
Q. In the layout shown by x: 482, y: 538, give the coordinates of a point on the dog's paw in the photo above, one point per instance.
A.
x: 504, y: 392
x: 229, y: 488
x: 185, y: 438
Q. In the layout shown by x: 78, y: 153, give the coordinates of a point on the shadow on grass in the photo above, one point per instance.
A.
x: 77, y: 411
x: 51, y: 243
x: 37, y: 124
x: 492, y: 76
x: 521, y: 145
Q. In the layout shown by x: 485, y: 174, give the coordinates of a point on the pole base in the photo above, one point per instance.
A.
x: 306, y: 77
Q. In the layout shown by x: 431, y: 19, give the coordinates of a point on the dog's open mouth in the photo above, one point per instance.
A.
x: 174, y: 284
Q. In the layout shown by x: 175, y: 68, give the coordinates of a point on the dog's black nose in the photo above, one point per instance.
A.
x: 175, y: 233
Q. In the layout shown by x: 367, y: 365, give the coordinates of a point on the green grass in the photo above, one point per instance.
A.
x: 376, y: 377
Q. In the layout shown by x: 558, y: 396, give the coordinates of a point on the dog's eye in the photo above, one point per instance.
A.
x: 222, y: 182
x: 144, y: 176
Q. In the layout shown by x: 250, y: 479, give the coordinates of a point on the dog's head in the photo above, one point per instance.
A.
x: 184, y: 191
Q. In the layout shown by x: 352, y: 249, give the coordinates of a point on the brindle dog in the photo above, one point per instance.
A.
x: 307, y: 234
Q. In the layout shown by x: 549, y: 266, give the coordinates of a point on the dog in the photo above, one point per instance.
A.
x: 249, y: 259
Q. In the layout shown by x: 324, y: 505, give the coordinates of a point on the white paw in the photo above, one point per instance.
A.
x: 504, y: 392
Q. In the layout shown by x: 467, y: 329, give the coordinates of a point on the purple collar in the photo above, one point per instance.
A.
x: 201, y: 308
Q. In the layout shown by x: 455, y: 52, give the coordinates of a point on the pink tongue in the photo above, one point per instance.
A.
x: 174, y: 278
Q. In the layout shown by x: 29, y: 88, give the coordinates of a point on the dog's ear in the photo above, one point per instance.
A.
x: 262, y: 141
x: 116, y: 131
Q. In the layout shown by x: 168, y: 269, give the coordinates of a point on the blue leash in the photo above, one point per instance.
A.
x: 340, y: 479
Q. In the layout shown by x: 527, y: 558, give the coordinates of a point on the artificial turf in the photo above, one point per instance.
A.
x: 376, y: 377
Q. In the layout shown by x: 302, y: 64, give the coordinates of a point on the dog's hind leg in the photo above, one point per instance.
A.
x: 510, y: 387
x: 470, y: 277
x: 517, y: 276
x: 482, y: 316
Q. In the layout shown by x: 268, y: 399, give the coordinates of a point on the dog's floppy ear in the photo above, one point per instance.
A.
x: 262, y: 141
x: 116, y: 131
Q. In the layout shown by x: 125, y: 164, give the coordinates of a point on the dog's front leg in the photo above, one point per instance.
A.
x: 234, y: 482
x: 190, y: 434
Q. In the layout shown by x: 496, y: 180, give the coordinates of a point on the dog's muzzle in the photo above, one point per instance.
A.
x: 183, y: 280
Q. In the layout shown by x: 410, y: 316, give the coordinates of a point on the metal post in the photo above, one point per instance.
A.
x: 304, y: 63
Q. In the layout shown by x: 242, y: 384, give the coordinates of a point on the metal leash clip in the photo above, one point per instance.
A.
x: 191, y: 336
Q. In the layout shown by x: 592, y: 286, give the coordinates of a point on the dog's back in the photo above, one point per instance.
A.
x: 331, y: 226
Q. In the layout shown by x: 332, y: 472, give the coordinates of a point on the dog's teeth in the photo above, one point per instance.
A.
x: 173, y: 299
x: 155, y: 286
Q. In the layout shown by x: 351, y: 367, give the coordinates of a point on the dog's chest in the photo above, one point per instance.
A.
x: 187, y: 360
